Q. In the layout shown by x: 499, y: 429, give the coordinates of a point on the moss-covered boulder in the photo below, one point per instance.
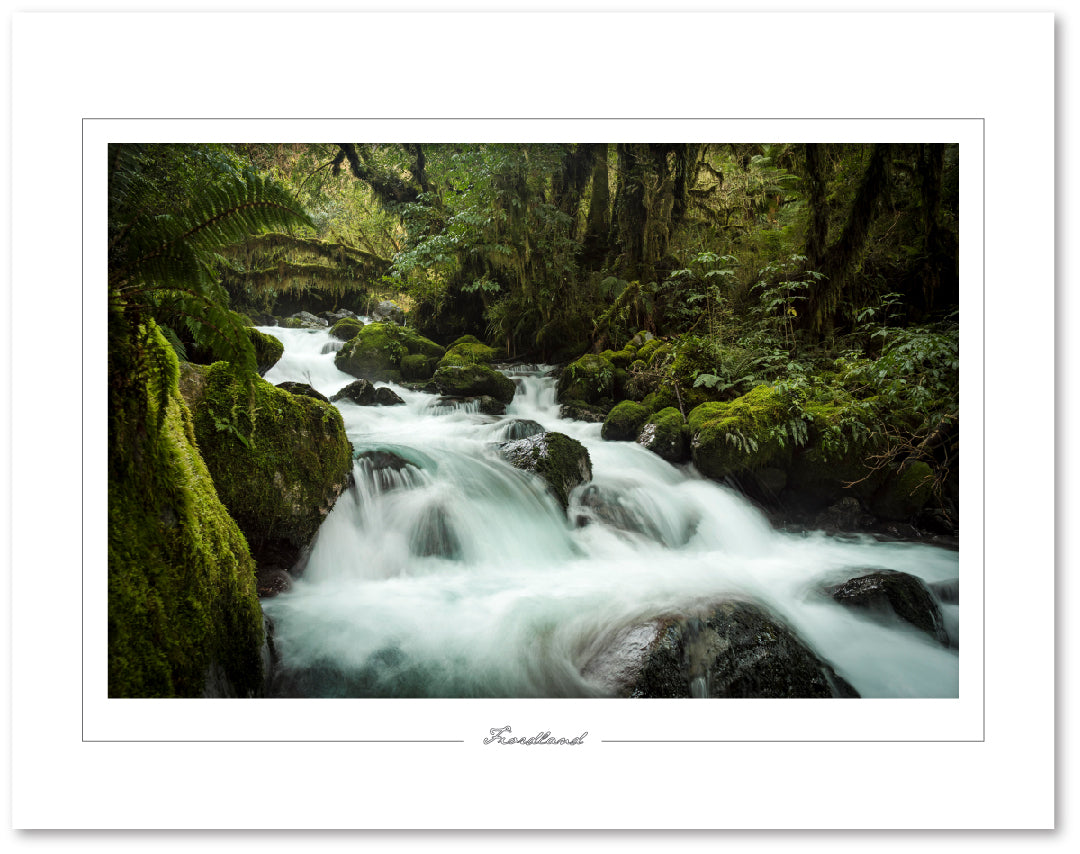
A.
x: 474, y: 381
x: 577, y: 410
x: 621, y: 358
x: 744, y: 434
x: 279, y: 460
x: 591, y: 379
x: 184, y: 618
x: 624, y: 422
x: 904, y: 492
x: 417, y: 367
x: 304, y: 320
x: 268, y: 350
x: 346, y: 329
x: 375, y: 353
x: 468, y: 350
x: 561, y: 461
x: 667, y: 435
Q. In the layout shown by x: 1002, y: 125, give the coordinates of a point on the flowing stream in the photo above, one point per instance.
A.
x: 460, y: 576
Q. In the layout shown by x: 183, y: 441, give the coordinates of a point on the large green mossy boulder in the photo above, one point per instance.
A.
x: 346, y: 329
x: 666, y: 435
x: 468, y: 350
x: 474, y: 381
x: 375, y: 353
x: 279, y: 460
x: 624, y: 422
x: 562, y: 462
x: 268, y: 350
x: 741, y: 435
x: 591, y: 379
x: 184, y: 618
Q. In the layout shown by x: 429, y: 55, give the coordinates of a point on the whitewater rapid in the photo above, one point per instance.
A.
x: 461, y: 576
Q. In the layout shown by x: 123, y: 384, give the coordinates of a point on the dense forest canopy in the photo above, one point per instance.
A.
x: 830, y: 269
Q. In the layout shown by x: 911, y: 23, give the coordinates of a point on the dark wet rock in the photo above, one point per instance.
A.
x: 270, y: 582
x: 596, y: 504
x: 378, y: 460
x: 262, y: 319
x: 360, y: 392
x: 561, y: 461
x: 304, y: 320
x: 332, y: 317
x: 845, y: 515
x: 389, y: 311
x: 387, y: 397
x: 733, y: 649
x: 948, y: 592
x: 302, y: 389
x: 577, y: 411
x: 490, y: 406
x: 520, y: 428
x: 888, y: 592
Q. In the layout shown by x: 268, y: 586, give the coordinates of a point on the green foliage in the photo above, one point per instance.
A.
x: 163, y: 249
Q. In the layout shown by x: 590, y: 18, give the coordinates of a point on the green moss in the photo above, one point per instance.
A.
x: 646, y: 350
x: 417, y: 367
x: 667, y: 435
x: 590, y: 379
x: 279, y: 460
x: 904, y: 492
x: 560, y: 460
x: 468, y: 353
x: 474, y: 381
x: 744, y: 434
x: 376, y: 351
x: 346, y: 329
x: 416, y: 343
x: 181, y: 584
x: 624, y: 422
x: 268, y: 350
x: 466, y: 339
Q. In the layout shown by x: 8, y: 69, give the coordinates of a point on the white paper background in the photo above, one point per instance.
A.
x: 67, y: 68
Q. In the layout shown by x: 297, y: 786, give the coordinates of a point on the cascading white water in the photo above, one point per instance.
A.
x: 452, y: 574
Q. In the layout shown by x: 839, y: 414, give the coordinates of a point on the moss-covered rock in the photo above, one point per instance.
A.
x: 904, y: 492
x: 278, y: 460
x: 463, y: 352
x: 474, y: 381
x: 304, y: 389
x: 346, y: 329
x: 591, y: 379
x: 417, y: 367
x: 646, y: 350
x: 376, y: 352
x: 667, y: 435
x: 744, y: 434
x: 268, y: 350
x: 561, y: 461
x: 183, y: 611
x: 576, y: 410
x: 624, y: 422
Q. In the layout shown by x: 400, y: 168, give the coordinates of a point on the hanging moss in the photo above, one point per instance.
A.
x: 183, y: 611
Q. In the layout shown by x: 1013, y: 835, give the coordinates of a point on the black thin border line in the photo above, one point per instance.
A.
x: 982, y: 120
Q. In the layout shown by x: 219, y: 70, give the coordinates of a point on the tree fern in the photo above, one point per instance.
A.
x: 161, y: 248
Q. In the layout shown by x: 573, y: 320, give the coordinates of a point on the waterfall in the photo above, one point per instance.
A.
x: 445, y: 572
